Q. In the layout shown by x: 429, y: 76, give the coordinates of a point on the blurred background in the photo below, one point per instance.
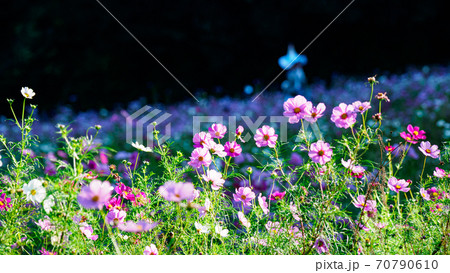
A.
x: 74, y: 53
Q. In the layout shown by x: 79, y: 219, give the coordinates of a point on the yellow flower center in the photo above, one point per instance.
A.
x: 243, y: 197
x: 1, y: 204
x: 266, y: 137
x: 95, y: 198
x: 313, y: 115
x: 361, y: 108
x: 297, y: 110
x: 398, y: 187
x: 321, y: 153
x: 200, y: 158
x: 428, y: 151
x: 217, y: 133
x: 231, y: 150
x: 33, y: 192
x: 344, y: 116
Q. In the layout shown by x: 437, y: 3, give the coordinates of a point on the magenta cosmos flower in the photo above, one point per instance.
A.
x: 369, y: 205
x: 115, y: 217
x: 277, y: 196
x: 151, y: 250
x: 428, y: 150
x: 314, y: 113
x: 176, y: 192
x: 233, y: 149
x: 215, y: 178
x: 266, y: 136
x: 200, y: 138
x: 320, y: 152
x: 239, y: 131
x: 361, y: 107
x: 200, y: 157
x: 415, y: 132
x: 5, y: 202
x: 321, y: 246
x: 343, y: 115
x: 217, y: 130
x: 244, y: 195
x: 95, y: 195
x: 124, y: 191
x: 398, y: 185
x: 296, y: 108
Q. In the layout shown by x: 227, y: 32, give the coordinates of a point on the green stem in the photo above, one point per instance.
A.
x: 111, y: 235
x: 423, y: 169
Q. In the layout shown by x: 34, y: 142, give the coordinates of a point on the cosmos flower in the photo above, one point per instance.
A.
x: 201, y: 228
x: 380, y: 225
x: 244, y: 195
x: 263, y: 204
x: 320, y: 152
x: 221, y: 231
x: 5, y: 202
x: 34, y: 191
x: 88, y: 231
x: 141, y: 147
x: 243, y: 220
x: 415, y: 132
x: 124, y: 191
x: 115, y: 217
x: 343, y: 115
x: 200, y: 138
x: 95, y: 195
x: 215, y: 178
x: 45, y: 224
x: 277, y: 196
x: 200, y: 157
x: 398, y: 185
x: 151, y: 250
x: 28, y: 93
x: 361, y: 107
x: 296, y: 108
x: 214, y: 148
x: 139, y: 226
x: 408, y: 137
x: 266, y: 136
x: 314, y: 113
x: 424, y: 194
x: 321, y: 246
x: 239, y: 131
x: 114, y: 203
x: 369, y: 205
x: 217, y: 130
x: 233, y: 149
x: 49, y: 202
x: 428, y: 150
x: 43, y: 251
x: 439, y: 173
x: 176, y: 192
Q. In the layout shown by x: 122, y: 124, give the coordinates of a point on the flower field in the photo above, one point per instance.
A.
x: 364, y: 170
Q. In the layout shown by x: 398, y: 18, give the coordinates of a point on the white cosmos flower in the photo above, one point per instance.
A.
x: 221, y: 231
x: 49, y: 203
x: 27, y: 92
x: 141, y: 147
x: 1, y: 163
x: 35, y: 191
x: 201, y: 228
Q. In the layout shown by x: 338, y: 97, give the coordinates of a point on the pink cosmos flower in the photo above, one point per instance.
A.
x: 239, y: 132
x: 358, y: 171
x: 87, y: 231
x: 217, y: 130
x: 274, y: 228
x: 124, y: 191
x: 114, y: 203
x: 95, y: 195
x: 321, y: 246
x: 151, y: 250
x: 415, y: 132
x: 320, y: 152
x: 243, y: 220
x: 369, y: 205
x: 200, y: 157
x: 424, y: 194
x: 296, y: 108
x: 408, y: 137
x: 277, y: 196
x: 45, y: 224
x: 115, y: 217
x: 343, y: 115
x: 389, y: 149
x: 294, y: 211
x: 214, y: 148
x: 439, y: 173
x: 233, y: 149
x: 244, y: 195
x: 398, y: 185
x: 5, y: 202
x: 43, y: 251
x: 263, y: 204
x: 361, y: 107
x: 139, y: 226
x: 380, y: 225
x: 428, y: 150
x: 140, y: 198
x: 434, y: 194
x: 314, y: 113
x: 266, y: 136
x: 200, y: 138
x: 176, y: 192
x: 215, y: 178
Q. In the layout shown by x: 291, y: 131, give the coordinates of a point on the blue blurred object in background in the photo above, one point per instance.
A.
x: 293, y: 63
